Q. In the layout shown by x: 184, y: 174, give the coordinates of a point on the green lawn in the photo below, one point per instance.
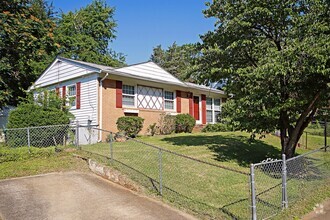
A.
x: 215, y: 192
x: 26, y: 165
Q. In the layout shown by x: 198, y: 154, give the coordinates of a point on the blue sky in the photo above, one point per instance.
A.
x: 144, y: 24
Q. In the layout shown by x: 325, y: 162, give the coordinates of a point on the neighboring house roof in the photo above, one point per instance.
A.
x: 146, y: 71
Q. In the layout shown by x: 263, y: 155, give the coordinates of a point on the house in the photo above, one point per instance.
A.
x: 100, y: 94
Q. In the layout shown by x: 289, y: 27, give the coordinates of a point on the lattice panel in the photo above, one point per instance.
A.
x: 149, y: 97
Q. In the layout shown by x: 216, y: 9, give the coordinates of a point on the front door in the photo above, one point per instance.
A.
x: 196, y: 108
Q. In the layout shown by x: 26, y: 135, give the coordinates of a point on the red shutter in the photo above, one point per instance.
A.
x: 203, y: 109
x: 191, y: 104
x: 178, y: 101
x: 57, y: 91
x: 119, y: 94
x: 64, y: 95
x: 78, y: 85
x: 63, y: 92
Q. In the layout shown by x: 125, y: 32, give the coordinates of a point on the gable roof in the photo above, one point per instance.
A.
x: 148, y: 71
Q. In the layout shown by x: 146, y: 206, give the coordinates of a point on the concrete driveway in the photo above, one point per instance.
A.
x: 76, y: 196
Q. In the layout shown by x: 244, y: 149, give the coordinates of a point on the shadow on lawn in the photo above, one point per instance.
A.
x: 226, y: 148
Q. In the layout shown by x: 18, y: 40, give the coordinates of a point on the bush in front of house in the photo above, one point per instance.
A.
x: 131, y: 125
x: 218, y: 127
x: 166, y: 123
x: 43, y: 111
x: 184, y: 123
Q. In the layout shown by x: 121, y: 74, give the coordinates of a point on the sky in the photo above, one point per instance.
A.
x: 144, y: 24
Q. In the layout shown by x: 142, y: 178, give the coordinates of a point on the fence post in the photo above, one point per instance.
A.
x: 28, y: 138
x: 160, y: 172
x: 284, y: 183
x: 77, y: 134
x: 253, y: 193
x: 111, y: 148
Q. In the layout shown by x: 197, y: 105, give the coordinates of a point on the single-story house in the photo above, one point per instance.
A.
x: 100, y: 94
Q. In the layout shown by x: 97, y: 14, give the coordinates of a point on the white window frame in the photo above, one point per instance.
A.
x: 71, y: 96
x: 170, y: 100
x: 129, y: 95
x: 213, y: 110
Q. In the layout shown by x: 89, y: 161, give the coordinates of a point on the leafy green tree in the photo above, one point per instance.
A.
x: 177, y: 60
x: 275, y: 59
x: 26, y: 40
x: 85, y: 34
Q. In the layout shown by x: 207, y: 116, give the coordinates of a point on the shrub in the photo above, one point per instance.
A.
x: 131, y: 125
x: 166, y: 124
x: 184, y: 123
x: 30, y: 115
x: 152, y: 129
x: 218, y: 127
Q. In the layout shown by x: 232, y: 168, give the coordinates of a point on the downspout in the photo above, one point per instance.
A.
x: 101, y: 105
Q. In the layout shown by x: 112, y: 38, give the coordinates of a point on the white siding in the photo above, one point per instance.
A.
x: 148, y: 71
x: 61, y: 71
x: 88, y: 98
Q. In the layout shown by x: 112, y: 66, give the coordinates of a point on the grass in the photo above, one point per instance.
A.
x: 208, y: 190
x: 205, y: 190
x: 25, y: 165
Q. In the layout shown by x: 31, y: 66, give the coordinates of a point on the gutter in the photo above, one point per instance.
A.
x: 101, y: 103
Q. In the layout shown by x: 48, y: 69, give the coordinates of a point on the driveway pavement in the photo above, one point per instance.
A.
x: 76, y: 196
x: 321, y: 212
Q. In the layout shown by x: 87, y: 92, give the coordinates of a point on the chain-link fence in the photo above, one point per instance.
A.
x: 42, y: 136
x: 276, y: 184
x: 207, y: 189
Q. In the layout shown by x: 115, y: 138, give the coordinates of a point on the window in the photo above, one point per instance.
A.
x: 209, y: 110
x: 128, y: 95
x: 216, y: 110
x: 169, y: 100
x: 149, y: 97
x: 72, y: 95
x: 213, y: 110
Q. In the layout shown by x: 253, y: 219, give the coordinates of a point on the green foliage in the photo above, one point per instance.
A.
x: 275, y: 59
x: 26, y: 40
x: 31, y: 36
x: 131, y: 125
x: 85, y: 34
x: 218, y: 127
x: 47, y: 109
x: 166, y: 124
x: 184, y: 123
x: 177, y: 60
x: 22, y: 153
x: 152, y: 129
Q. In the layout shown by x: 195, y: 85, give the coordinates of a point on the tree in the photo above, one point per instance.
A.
x: 85, y: 34
x: 26, y: 39
x: 177, y: 60
x: 275, y: 58
x: 31, y: 36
